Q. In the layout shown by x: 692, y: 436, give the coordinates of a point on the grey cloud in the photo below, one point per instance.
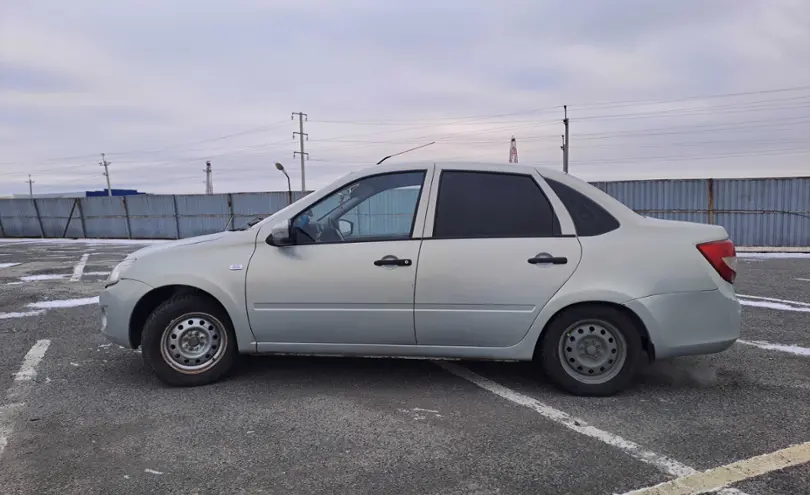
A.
x: 130, y: 76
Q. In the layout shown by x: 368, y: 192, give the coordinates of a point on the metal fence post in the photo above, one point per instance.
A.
x: 70, y: 217
x: 81, y: 217
x: 126, y: 214
x: 39, y: 218
x: 2, y: 231
x: 231, y: 217
x: 711, y: 201
x: 176, y: 216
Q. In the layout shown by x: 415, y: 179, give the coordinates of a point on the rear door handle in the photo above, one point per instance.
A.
x: 392, y: 262
x: 549, y: 260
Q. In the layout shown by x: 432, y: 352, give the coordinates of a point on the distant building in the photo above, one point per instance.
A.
x: 79, y: 194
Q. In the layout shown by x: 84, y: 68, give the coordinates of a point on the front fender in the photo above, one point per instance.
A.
x: 230, y: 295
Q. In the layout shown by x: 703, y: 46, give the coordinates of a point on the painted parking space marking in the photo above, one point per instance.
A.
x: 719, y: 477
x: 28, y: 369
x: 78, y: 270
x: 661, y: 462
x: 790, y: 349
x: 22, y: 382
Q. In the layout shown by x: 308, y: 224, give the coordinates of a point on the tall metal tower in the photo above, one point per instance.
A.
x: 513, y: 151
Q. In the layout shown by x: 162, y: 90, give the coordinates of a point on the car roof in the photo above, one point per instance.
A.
x: 461, y: 165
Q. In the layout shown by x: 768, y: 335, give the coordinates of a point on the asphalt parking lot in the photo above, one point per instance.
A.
x: 80, y: 415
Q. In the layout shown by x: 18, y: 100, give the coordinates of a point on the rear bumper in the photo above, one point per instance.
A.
x: 117, y: 303
x: 688, y: 323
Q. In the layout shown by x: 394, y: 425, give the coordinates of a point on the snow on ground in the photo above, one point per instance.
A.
x: 792, y: 349
x: 772, y: 255
x: 44, y: 276
x: 15, y: 240
x: 8, y: 265
x: 5, y: 316
x: 64, y: 303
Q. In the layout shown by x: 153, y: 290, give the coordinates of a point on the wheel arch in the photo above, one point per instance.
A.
x: 154, y: 298
x: 646, y: 342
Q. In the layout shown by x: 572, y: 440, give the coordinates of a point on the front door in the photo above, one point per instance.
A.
x: 496, y: 256
x: 349, y: 276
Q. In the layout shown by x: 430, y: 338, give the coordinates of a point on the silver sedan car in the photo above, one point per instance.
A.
x: 456, y: 260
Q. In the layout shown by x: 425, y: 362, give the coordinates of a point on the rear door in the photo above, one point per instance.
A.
x: 498, y: 245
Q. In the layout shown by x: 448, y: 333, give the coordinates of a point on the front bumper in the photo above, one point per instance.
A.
x: 689, y: 323
x: 117, y: 303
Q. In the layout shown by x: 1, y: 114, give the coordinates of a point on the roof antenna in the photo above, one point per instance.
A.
x: 403, y: 152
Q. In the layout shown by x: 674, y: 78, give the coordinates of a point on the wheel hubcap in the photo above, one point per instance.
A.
x: 193, y: 343
x: 592, y: 351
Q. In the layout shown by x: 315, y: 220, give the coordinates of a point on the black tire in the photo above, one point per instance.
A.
x: 583, y: 322
x: 197, y: 308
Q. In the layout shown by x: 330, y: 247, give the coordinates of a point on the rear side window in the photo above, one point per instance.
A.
x: 590, y: 219
x: 490, y: 204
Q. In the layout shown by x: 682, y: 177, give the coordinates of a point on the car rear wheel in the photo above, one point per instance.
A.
x: 591, y: 350
x: 188, y: 341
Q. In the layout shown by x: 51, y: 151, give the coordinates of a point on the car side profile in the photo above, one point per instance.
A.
x: 435, y: 260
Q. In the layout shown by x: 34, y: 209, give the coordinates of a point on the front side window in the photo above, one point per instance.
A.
x: 486, y: 204
x: 380, y: 207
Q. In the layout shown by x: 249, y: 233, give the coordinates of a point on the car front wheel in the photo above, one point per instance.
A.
x: 189, y: 341
x: 591, y: 350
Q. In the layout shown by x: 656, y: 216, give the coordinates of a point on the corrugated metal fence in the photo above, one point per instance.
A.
x: 756, y: 212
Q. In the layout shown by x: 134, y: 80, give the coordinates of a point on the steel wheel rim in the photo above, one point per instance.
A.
x: 592, y: 351
x: 193, y: 343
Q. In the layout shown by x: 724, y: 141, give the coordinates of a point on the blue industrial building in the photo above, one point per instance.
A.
x: 115, y: 192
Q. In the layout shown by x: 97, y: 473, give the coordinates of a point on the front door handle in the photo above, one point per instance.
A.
x: 549, y: 260
x: 392, y: 262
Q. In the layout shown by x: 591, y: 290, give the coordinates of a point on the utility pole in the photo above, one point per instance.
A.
x: 565, y: 140
x: 209, y: 185
x: 104, y: 163
x: 301, y: 153
x: 30, y: 187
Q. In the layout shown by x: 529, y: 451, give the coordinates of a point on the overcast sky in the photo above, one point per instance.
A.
x: 161, y: 86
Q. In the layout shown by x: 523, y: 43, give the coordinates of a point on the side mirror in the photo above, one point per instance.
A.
x: 280, y: 235
x: 346, y: 227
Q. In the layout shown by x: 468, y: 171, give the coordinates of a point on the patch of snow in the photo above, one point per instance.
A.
x: 64, y: 303
x: 8, y: 265
x: 151, y: 471
x: 43, y: 276
x: 773, y: 255
x: 792, y: 349
x: 774, y: 305
x: 803, y: 279
x: 4, y: 316
x: 97, y: 273
x: 14, y: 283
x: 82, y: 241
x: 74, y: 364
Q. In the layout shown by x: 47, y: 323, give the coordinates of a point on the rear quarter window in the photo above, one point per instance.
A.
x: 589, y: 218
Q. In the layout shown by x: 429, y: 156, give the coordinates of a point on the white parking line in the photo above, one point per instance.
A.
x: 714, y: 479
x: 23, y: 377
x: 28, y: 369
x: 661, y: 462
x: 79, y: 268
x: 804, y: 279
x: 791, y: 349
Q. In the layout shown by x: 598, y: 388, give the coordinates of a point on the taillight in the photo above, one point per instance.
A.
x: 722, y: 256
